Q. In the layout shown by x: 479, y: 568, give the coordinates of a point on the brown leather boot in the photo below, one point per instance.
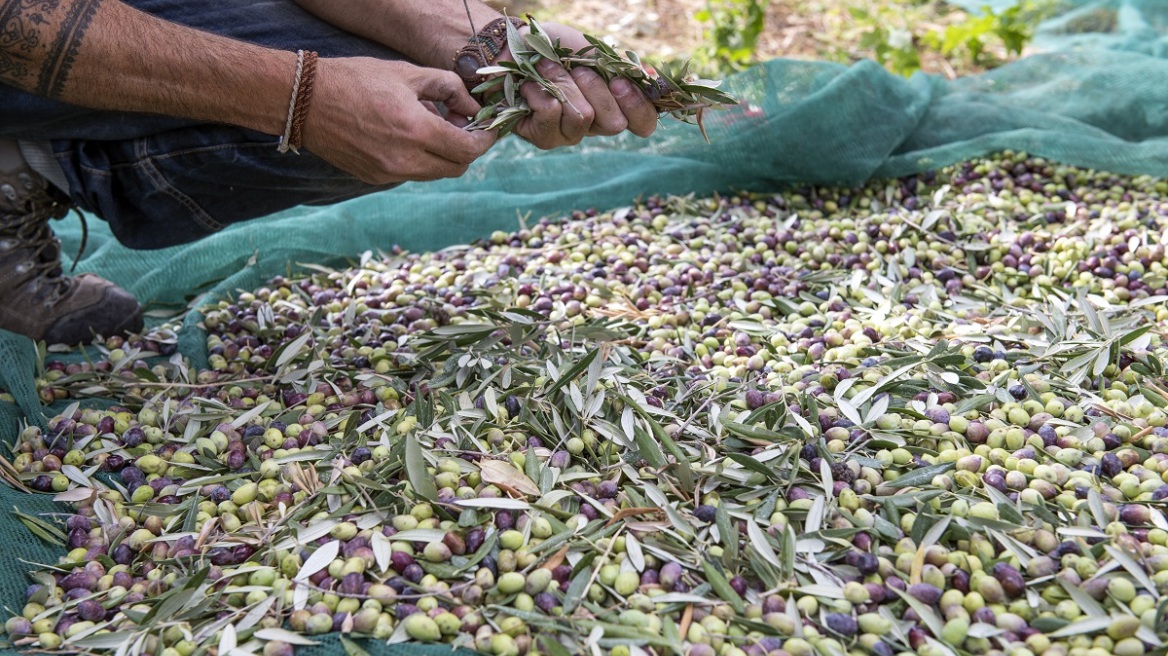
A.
x: 36, y: 299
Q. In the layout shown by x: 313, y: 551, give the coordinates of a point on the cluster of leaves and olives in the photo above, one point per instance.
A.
x: 925, y: 415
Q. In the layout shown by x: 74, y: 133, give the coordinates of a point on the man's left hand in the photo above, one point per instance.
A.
x: 593, y: 108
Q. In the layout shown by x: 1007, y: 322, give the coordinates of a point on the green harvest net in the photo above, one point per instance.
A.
x: 1096, y: 98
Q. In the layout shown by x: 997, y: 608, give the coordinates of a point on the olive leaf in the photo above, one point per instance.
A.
x: 319, y: 560
x: 507, y: 476
x: 677, y: 94
x: 717, y: 579
x: 416, y: 469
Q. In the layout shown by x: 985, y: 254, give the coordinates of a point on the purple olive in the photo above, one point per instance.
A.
x: 926, y: 593
x: 841, y: 623
x: 984, y: 615
x: 738, y: 584
x: 351, y: 584
x: 82, y: 579
x: 78, y: 538
x: 867, y: 563
x: 413, y: 573
x: 134, y: 436
x: 1011, y: 579
x: 546, y: 601
x: 122, y: 554
x: 937, y: 415
x: 669, y: 575
x: 18, y: 626
x: 400, y: 560
x: 90, y: 611
x: 361, y: 454
x: 474, y: 539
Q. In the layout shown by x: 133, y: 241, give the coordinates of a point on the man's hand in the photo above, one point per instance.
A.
x: 376, y: 120
x: 593, y: 108
x: 431, y: 32
x: 373, y: 119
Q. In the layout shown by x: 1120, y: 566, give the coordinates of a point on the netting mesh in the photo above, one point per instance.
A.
x: 1102, y: 107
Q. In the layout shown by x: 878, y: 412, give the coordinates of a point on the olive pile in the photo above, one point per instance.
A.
x: 922, y: 416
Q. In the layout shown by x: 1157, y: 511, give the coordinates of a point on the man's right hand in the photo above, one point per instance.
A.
x: 376, y: 120
x: 373, y: 119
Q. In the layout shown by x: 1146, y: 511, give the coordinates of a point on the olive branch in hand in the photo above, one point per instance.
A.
x: 678, y: 95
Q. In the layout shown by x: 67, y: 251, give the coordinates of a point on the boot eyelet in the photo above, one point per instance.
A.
x: 9, y: 191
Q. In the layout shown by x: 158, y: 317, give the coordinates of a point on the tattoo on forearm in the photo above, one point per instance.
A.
x: 39, y: 41
x: 22, y: 24
x: 63, y: 50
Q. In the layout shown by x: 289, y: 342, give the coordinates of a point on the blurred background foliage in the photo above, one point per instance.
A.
x: 723, y: 36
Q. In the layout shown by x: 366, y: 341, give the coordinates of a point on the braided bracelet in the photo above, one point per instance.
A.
x: 302, y: 88
x: 482, y: 49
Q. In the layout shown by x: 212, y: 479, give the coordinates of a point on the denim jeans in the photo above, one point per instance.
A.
x: 161, y: 181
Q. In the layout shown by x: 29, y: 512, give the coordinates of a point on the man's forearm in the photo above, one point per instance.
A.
x: 428, y: 32
x: 104, y: 54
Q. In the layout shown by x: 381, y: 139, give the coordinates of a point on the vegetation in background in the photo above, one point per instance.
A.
x: 905, y: 36
x: 731, y: 41
x: 972, y: 42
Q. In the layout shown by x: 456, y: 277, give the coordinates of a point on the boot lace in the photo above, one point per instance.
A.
x: 30, y: 226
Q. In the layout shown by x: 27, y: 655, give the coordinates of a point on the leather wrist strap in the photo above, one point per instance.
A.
x: 482, y: 49
x: 302, y: 87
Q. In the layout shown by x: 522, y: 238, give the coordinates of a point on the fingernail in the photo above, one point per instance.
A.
x: 621, y: 87
x: 546, y: 66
